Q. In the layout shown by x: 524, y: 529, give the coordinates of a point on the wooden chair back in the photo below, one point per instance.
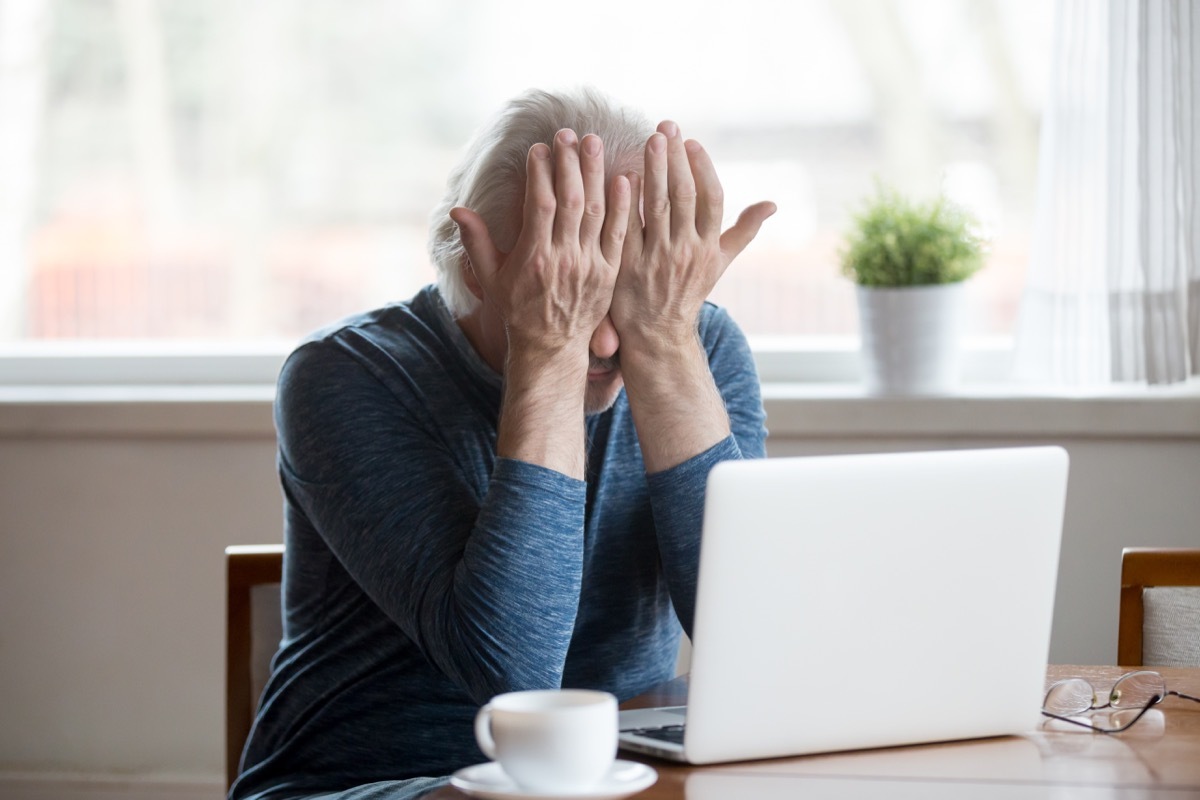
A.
x: 1142, y: 568
x: 247, y: 568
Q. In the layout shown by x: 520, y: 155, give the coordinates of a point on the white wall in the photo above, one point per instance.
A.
x: 113, y: 519
x: 112, y: 588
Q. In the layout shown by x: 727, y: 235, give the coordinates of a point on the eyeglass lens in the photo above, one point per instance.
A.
x: 1071, y: 696
x: 1137, y: 689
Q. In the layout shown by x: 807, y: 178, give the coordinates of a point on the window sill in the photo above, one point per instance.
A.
x: 240, y: 412
x: 984, y: 410
x: 803, y: 410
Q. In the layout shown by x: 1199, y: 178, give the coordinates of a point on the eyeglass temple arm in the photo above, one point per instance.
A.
x: 1078, y: 722
x: 1184, y: 696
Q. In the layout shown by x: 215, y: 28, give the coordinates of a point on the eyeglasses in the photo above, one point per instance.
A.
x: 1140, y: 690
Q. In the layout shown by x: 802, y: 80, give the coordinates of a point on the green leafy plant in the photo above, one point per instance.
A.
x: 898, y: 242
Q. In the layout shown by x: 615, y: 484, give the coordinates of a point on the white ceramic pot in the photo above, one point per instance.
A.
x: 910, y: 338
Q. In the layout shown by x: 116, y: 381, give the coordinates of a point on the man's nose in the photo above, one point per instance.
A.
x: 604, y: 339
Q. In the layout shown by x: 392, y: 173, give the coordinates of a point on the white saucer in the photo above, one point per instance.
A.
x: 488, y: 781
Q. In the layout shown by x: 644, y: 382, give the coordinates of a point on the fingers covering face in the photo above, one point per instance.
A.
x: 565, y: 193
x: 568, y: 188
x: 620, y: 200
x: 656, y: 203
x: 539, y: 192
x: 681, y: 186
x: 681, y: 191
x: 710, y: 198
x: 591, y: 161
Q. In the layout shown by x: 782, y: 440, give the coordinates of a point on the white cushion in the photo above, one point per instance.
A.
x: 1171, y: 626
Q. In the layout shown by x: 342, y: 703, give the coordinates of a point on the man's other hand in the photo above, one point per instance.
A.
x: 672, y: 262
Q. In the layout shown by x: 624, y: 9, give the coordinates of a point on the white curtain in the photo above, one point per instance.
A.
x: 1113, y: 292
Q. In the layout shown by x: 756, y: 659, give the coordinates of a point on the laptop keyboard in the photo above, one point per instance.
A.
x: 664, y: 733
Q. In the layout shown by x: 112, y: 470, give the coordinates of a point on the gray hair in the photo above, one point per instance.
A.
x: 490, y: 179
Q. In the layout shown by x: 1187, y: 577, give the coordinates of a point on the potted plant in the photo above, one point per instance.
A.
x: 909, y: 261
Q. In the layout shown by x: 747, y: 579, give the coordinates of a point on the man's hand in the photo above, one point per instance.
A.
x: 669, y: 266
x: 551, y: 292
x: 556, y: 285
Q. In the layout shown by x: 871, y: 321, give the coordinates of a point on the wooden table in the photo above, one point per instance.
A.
x: 1159, y: 757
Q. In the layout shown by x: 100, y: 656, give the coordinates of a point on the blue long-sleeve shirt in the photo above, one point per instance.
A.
x: 423, y: 574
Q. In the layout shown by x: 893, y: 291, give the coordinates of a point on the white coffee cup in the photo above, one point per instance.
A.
x: 554, y: 740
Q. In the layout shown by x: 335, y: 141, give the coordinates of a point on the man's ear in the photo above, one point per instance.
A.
x: 480, y: 258
x: 470, y: 278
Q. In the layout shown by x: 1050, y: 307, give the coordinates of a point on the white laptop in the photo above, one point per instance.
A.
x: 861, y: 601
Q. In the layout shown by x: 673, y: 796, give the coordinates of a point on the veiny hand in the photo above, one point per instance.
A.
x: 671, y: 264
x: 555, y: 286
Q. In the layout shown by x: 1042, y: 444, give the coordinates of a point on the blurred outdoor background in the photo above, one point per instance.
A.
x: 230, y: 170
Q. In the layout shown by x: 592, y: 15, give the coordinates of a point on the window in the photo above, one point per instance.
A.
x: 224, y: 170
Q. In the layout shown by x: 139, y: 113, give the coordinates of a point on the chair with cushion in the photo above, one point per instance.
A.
x: 253, y: 629
x: 1160, y: 608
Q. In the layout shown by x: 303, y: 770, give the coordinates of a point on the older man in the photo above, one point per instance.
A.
x: 498, y: 484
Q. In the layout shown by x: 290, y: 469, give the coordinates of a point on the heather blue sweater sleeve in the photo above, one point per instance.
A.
x: 487, y: 586
x: 677, y: 494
